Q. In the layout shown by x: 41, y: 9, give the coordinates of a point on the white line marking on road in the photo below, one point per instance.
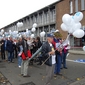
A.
x: 75, y: 61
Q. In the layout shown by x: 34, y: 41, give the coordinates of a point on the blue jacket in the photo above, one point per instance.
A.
x: 10, y: 46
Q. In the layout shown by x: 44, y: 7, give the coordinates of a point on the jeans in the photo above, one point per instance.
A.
x: 10, y: 56
x: 58, y: 64
x: 64, y: 58
x: 19, y: 60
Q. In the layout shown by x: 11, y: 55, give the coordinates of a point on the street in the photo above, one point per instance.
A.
x: 75, y: 72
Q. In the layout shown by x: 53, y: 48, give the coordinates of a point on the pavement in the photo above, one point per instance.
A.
x: 74, y: 75
x: 77, y: 52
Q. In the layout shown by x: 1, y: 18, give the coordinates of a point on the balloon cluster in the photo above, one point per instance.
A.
x: 34, y: 27
x: 71, y: 24
x: 16, y: 34
x: 33, y: 30
x: 19, y: 24
x: 42, y: 34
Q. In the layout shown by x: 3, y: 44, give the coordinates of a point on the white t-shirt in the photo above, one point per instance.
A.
x: 53, y: 56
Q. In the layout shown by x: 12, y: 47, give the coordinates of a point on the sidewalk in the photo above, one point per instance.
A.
x: 80, y: 82
x: 77, y: 52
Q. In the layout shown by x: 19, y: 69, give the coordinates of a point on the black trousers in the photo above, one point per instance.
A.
x: 3, y: 55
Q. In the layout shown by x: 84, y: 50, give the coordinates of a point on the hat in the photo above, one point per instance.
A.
x: 49, y: 35
x: 57, y: 34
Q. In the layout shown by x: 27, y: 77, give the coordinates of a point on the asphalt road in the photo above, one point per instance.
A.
x: 74, y: 73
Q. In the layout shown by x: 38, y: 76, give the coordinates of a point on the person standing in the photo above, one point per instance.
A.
x: 25, y: 61
x: 48, y: 53
x: 58, y: 53
x: 2, y: 49
x: 10, y: 49
x: 5, y: 47
x: 38, y: 45
x: 64, y: 54
x: 20, y: 50
x: 15, y: 48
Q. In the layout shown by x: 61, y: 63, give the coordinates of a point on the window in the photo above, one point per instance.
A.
x: 76, y: 5
x: 71, y: 7
x: 46, y: 29
x: 52, y: 28
x: 32, y: 20
x: 46, y: 17
x: 82, y: 4
x: 41, y: 18
x: 52, y: 15
x: 35, y: 18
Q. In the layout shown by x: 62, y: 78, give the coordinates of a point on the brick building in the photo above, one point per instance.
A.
x: 70, y: 7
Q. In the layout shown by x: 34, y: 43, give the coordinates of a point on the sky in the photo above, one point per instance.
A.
x: 13, y: 10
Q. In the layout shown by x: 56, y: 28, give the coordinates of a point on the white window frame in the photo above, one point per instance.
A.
x: 76, y: 5
x: 82, y: 4
x: 71, y: 6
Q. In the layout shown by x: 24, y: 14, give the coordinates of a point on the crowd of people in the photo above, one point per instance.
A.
x: 52, y: 54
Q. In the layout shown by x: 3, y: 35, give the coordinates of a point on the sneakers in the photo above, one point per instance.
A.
x: 59, y: 74
x: 55, y: 75
x: 19, y: 66
x: 65, y: 67
x: 26, y: 75
x: 12, y: 61
x: 8, y: 61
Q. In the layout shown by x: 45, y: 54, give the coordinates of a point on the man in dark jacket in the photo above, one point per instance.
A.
x: 38, y: 45
x: 10, y: 49
x: 48, y: 53
x: 2, y: 49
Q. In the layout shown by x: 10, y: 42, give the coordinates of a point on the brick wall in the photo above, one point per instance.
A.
x: 62, y: 8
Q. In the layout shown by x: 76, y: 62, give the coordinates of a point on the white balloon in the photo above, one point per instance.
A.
x: 10, y: 31
x: 26, y: 30
x: 32, y: 35
x: 42, y: 34
x: 78, y: 16
x: 77, y: 26
x: 66, y: 19
x: 34, y: 25
x: 78, y: 33
x: 64, y: 27
x: 83, y: 48
x: 33, y: 30
x: 19, y: 24
x: 2, y: 31
x: 70, y: 30
x: 72, y: 23
x: 16, y: 32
